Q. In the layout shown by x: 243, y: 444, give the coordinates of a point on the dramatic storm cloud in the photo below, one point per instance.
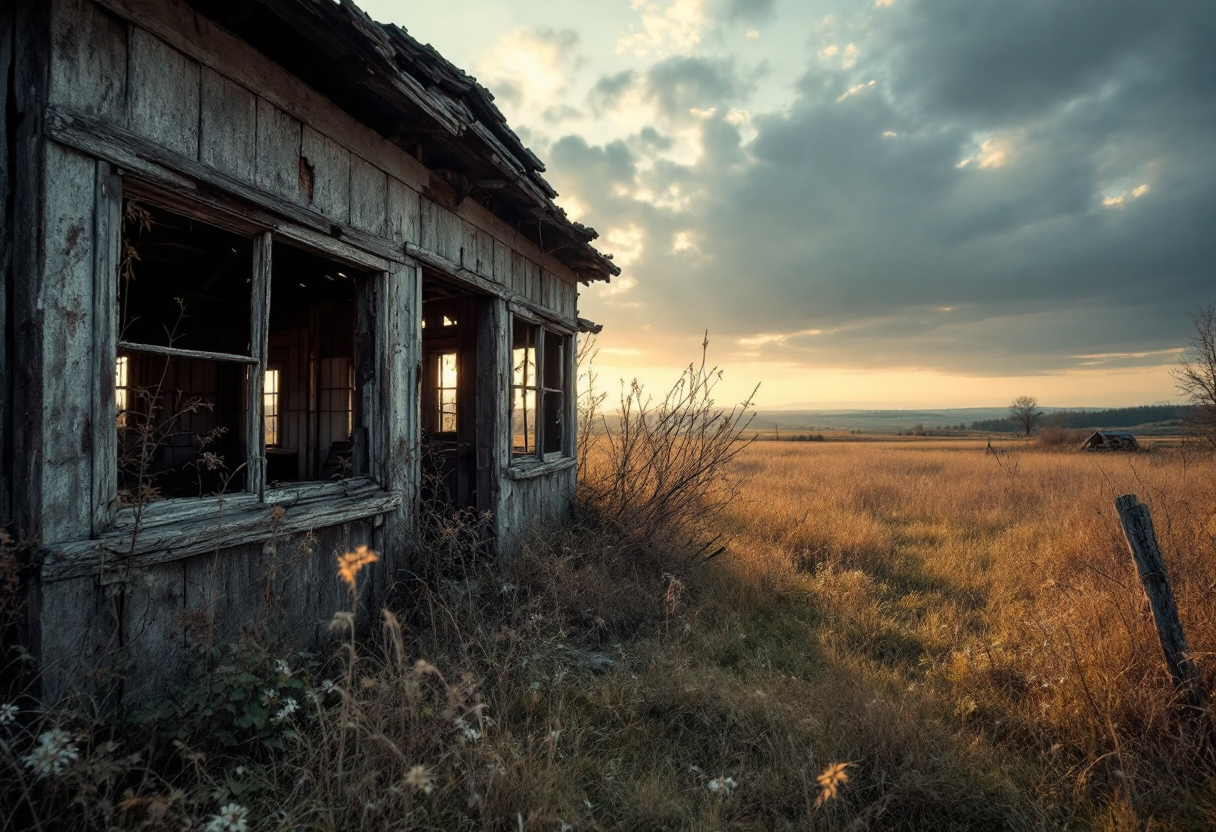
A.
x: 976, y: 195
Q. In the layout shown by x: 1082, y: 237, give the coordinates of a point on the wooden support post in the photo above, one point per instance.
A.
x: 1142, y: 541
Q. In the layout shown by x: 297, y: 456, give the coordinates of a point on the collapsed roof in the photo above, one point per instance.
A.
x: 414, y: 97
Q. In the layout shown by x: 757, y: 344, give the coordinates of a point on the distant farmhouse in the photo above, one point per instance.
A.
x: 274, y: 251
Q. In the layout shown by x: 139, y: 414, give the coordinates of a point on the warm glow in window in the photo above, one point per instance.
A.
x: 121, y: 388
x: 523, y: 391
x: 270, y: 406
x: 350, y: 401
x: 446, y: 391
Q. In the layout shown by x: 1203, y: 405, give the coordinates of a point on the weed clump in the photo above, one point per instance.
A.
x: 658, y: 475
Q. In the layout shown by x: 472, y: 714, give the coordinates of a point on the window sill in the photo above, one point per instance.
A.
x: 180, y: 528
x: 526, y: 470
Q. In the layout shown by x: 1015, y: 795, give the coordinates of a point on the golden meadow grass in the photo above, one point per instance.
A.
x: 994, y: 597
x: 910, y: 635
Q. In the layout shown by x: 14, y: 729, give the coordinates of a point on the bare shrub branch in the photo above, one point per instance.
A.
x: 657, y: 472
x: 1195, y: 375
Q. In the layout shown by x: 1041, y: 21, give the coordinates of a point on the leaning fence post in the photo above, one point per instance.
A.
x: 1142, y: 541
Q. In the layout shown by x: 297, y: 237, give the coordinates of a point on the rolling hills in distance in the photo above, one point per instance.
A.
x: 1161, y: 419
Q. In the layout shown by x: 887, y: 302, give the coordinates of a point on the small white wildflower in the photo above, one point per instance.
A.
x: 231, y: 818
x: 469, y: 733
x: 726, y: 785
x: 8, y: 713
x: 507, y: 588
x: 327, y: 685
x: 54, y: 751
x: 269, y: 695
x: 289, y: 708
x: 419, y: 779
x: 281, y: 666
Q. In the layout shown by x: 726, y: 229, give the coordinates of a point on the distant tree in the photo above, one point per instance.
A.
x: 1196, y: 375
x: 1024, y: 411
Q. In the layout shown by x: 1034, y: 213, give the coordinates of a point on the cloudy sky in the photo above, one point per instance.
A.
x: 873, y: 202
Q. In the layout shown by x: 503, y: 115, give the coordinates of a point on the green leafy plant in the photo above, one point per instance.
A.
x: 250, y: 700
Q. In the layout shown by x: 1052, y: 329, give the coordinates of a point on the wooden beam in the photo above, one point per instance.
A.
x: 530, y: 470
x: 182, y: 528
x: 456, y: 271
x: 174, y: 172
x: 259, y: 335
x: 520, y: 304
x: 107, y: 238
x: 157, y: 349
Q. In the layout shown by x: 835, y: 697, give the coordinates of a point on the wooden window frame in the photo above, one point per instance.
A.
x: 538, y: 456
x: 108, y: 516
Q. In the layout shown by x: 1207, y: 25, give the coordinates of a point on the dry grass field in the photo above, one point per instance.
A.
x: 971, y: 630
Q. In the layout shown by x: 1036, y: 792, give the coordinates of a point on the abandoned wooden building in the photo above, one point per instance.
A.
x: 272, y: 273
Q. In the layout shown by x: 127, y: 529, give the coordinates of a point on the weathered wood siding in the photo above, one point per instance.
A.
x: 285, y: 590
x: 177, y: 103
x: 7, y: 136
x: 533, y: 503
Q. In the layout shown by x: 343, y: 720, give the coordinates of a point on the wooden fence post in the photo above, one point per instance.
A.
x: 1142, y: 541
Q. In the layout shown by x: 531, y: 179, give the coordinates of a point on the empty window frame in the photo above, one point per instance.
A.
x: 183, y: 355
x: 540, y: 391
x: 445, y: 390
x: 311, y: 341
x: 192, y: 420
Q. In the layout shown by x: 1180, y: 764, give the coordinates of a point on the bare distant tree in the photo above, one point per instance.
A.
x: 1024, y: 410
x: 1196, y: 375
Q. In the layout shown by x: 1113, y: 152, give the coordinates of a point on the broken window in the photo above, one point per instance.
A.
x: 186, y: 362
x: 311, y: 346
x: 183, y: 355
x: 539, y: 391
x: 451, y: 427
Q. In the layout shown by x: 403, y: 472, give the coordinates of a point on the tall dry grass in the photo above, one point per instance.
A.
x: 995, y: 597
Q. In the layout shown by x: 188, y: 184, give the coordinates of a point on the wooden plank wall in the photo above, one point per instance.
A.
x: 534, y: 503
x: 286, y: 592
x: 162, y: 72
x: 7, y: 132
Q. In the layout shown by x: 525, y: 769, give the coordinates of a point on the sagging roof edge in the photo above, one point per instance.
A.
x: 406, y: 79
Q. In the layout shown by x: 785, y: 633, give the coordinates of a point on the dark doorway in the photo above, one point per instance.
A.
x: 449, y: 394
